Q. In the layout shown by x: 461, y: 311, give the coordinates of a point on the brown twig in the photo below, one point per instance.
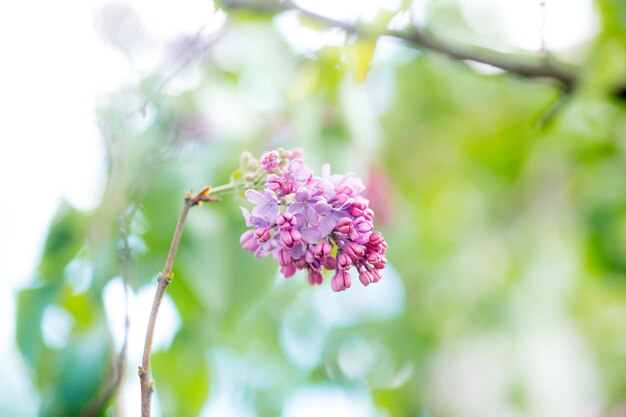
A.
x: 523, y: 66
x: 117, y: 375
x: 164, y: 278
x: 119, y: 364
x: 115, y: 382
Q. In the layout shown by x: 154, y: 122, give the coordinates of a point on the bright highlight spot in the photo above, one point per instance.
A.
x: 56, y: 326
x: 328, y: 401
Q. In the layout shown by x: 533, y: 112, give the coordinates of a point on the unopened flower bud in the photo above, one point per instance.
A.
x: 322, y: 249
x: 284, y: 258
x: 357, y: 208
x: 262, y: 234
x: 376, y: 275
x: 344, y: 225
x: 316, y: 250
x: 315, y: 277
x: 362, y: 239
x: 286, y: 220
x: 288, y: 270
x: 354, y: 250
x: 381, y: 264
x: 345, y: 279
x: 373, y: 258
x: 376, y: 238
x: 346, y: 190
x: 341, y: 281
x: 296, y: 236
x: 290, y: 237
x: 309, y: 255
x: 382, y: 248
x: 273, y: 182
x: 315, y: 264
x: 300, y: 263
x: 286, y: 187
x: 340, y: 200
x: 365, y: 277
x: 362, y: 225
x: 344, y: 261
x: 327, y: 248
x: 248, y: 241
x: 329, y: 263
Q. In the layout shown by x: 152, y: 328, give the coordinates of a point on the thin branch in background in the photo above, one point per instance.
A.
x: 532, y: 67
x: 543, y: 67
x: 198, y: 44
x: 548, y: 116
x: 116, y: 379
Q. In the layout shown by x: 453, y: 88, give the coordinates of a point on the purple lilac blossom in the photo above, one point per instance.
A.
x: 270, y: 160
x: 313, y: 223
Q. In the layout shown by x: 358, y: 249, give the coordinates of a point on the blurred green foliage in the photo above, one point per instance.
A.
x: 495, y: 223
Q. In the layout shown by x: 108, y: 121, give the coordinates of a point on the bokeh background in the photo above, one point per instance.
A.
x: 506, y: 287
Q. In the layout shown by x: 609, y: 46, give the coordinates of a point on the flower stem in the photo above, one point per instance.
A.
x: 259, y: 177
x: 164, y: 278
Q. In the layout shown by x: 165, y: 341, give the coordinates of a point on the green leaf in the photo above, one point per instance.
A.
x: 613, y: 16
x: 181, y: 375
x: 359, y: 55
x: 68, y: 379
x: 65, y: 238
x: 30, y: 307
x: 73, y: 378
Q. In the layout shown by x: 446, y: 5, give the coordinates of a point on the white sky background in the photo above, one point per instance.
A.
x: 55, y: 66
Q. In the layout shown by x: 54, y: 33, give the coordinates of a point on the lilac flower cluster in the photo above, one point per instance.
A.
x: 308, y: 223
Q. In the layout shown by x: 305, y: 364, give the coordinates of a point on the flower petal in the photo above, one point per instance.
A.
x: 302, y: 194
x: 298, y: 250
x: 264, y: 250
x: 246, y: 215
x: 257, y: 221
x: 255, y: 197
x: 310, y: 235
x: 326, y: 225
x: 296, y: 208
x: 300, y: 220
x: 323, y: 208
x: 261, y: 252
x: 266, y: 211
x: 270, y: 195
x: 303, y: 175
x: 310, y: 214
x: 295, y: 165
x: 326, y: 171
